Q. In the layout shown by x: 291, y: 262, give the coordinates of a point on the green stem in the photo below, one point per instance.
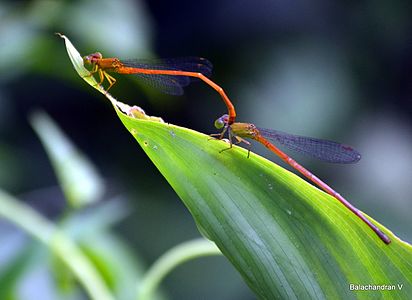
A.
x: 40, y: 228
x: 171, y: 259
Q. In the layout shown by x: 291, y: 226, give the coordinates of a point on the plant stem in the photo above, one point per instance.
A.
x: 40, y: 228
x: 171, y: 259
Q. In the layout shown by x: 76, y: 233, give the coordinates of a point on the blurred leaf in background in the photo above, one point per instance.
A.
x: 118, y: 266
x: 79, y: 180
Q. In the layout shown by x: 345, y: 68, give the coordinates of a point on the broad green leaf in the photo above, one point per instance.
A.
x: 288, y: 239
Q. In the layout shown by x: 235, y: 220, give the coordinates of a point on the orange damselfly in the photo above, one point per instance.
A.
x: 321, y: 149
x: 168, y: 75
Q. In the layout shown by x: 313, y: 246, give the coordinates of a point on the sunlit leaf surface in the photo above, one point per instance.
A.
x: 287, y: 238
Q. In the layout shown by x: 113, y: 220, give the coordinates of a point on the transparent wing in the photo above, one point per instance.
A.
x: 170, y: 84
x: 321, y: 149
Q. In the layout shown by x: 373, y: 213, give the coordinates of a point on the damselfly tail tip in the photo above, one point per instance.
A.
x: 385, y: 238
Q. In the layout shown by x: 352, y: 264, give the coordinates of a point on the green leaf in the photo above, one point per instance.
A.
x: 119, y: 265
x: 80, y: 181
x: 27, y: 219
x: 288, y: 239
x: 14, y: 270
x: 171, y: 259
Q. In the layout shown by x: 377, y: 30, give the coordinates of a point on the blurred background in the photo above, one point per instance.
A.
x: 340, y: 70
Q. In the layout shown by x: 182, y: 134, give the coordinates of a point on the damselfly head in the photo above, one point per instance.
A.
x: 92, y: 58
x: 222, y: 121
